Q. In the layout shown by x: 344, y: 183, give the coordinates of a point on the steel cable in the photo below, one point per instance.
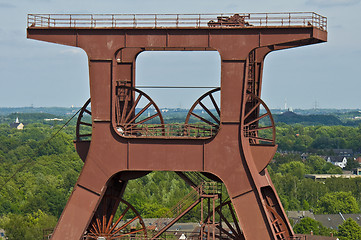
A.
x: 37, y: 151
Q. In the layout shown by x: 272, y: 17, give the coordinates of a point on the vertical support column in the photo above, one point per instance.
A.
x: 214, y: 218
x: 247, y: 204
x: 124, y: 66
x: 260, y: 54
x: 82, y: 203
x: 77, y: 214
x: 231, y: 90
x: 248, y: 207
x: 100, y: 89
x: 124, y: 75
x: 253, y: 82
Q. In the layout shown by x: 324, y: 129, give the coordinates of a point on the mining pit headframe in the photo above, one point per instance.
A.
x: 171, y: 21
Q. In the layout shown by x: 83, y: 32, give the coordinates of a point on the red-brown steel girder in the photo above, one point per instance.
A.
x: 236, y: 154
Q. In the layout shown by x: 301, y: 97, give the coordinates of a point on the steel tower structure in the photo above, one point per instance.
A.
x: 230, y: 145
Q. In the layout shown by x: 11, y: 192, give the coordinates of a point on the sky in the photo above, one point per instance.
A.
x: 327, y: 75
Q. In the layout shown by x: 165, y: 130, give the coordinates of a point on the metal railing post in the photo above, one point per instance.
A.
x: 289, y: 19
x: 175, y: 20
x: 266, y: 19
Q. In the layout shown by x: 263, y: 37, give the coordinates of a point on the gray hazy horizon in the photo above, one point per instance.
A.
x: 44, y: 74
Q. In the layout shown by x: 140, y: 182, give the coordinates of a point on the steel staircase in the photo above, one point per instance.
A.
x: 202, y: 188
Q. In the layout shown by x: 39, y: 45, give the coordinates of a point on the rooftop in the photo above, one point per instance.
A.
x: 324, y: 176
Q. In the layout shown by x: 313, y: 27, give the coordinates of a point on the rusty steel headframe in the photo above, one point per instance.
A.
x: 230, y: 146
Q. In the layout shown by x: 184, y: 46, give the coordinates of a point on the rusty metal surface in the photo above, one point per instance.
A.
x: 236, y: 155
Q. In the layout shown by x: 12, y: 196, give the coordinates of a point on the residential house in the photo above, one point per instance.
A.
x: 297, y: 216
x: 334, y: 220
x: 343, y: 152
x: 315, y: 237
x: 339, y: 161
x: 18, y: 125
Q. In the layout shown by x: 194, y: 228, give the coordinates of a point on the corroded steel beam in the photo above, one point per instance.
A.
x: 230, y: 155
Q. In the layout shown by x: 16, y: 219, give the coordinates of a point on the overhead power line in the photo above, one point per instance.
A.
x: 42, y: 146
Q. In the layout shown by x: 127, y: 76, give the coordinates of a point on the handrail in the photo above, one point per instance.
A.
x: 171, y: 130
x: 292, y: 19
x: 191, y: 197
x: 210, y: 188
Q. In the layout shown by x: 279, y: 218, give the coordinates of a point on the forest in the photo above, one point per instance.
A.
x: 37, y: 176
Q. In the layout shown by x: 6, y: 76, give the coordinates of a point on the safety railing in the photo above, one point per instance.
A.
x: 168, y: 130
x: 221, y: 20
x: 211, y: 188
x: 177, y: 209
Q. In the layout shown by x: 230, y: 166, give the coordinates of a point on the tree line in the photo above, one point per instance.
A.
x: 36, y: 196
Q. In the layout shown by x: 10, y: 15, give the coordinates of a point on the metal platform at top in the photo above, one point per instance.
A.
x: 221, y: 20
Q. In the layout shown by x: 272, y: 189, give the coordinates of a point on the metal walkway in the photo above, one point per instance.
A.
x: 222, y: 20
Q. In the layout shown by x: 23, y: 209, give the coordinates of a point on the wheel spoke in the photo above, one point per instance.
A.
x: 251, y: 122
x: 257, y: 119
x: 87, y: 124
x: 131, y: 111
x: 261, y: 139
x: 203, y: 119
x: 98, y: 224
x: 140, y: 113
x: 129, y: 117
x: 81, y: 122
x: 252, y: 110
x: 148, y: 118
x: 215, y: 104
x: 259, y: 128
x: 120, y: 218
x: 125, y: 225
x: 114, y: 210
x: 95, y: 228
x: 278, y: 225
x: 125, y: 105
x: 131, y: 232
x: 88, y: 112
x: 209, y: 112
x: 214, y: 117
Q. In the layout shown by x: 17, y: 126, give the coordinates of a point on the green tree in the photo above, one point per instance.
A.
x: 294, y: 168
x: 349, y: 230
x: 27, y: 227
x: 351, y: 164
x: 337, y: 202
x: 308, y: 225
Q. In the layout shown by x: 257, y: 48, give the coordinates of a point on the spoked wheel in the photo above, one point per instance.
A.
x: 108, y: 224
x: 211, y: 121
x: 278, y: 224
x: 84, y: 123
x: 256, y: 131
x: 274, y: 211
x: 137, y: 114
x: 228, y: 230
